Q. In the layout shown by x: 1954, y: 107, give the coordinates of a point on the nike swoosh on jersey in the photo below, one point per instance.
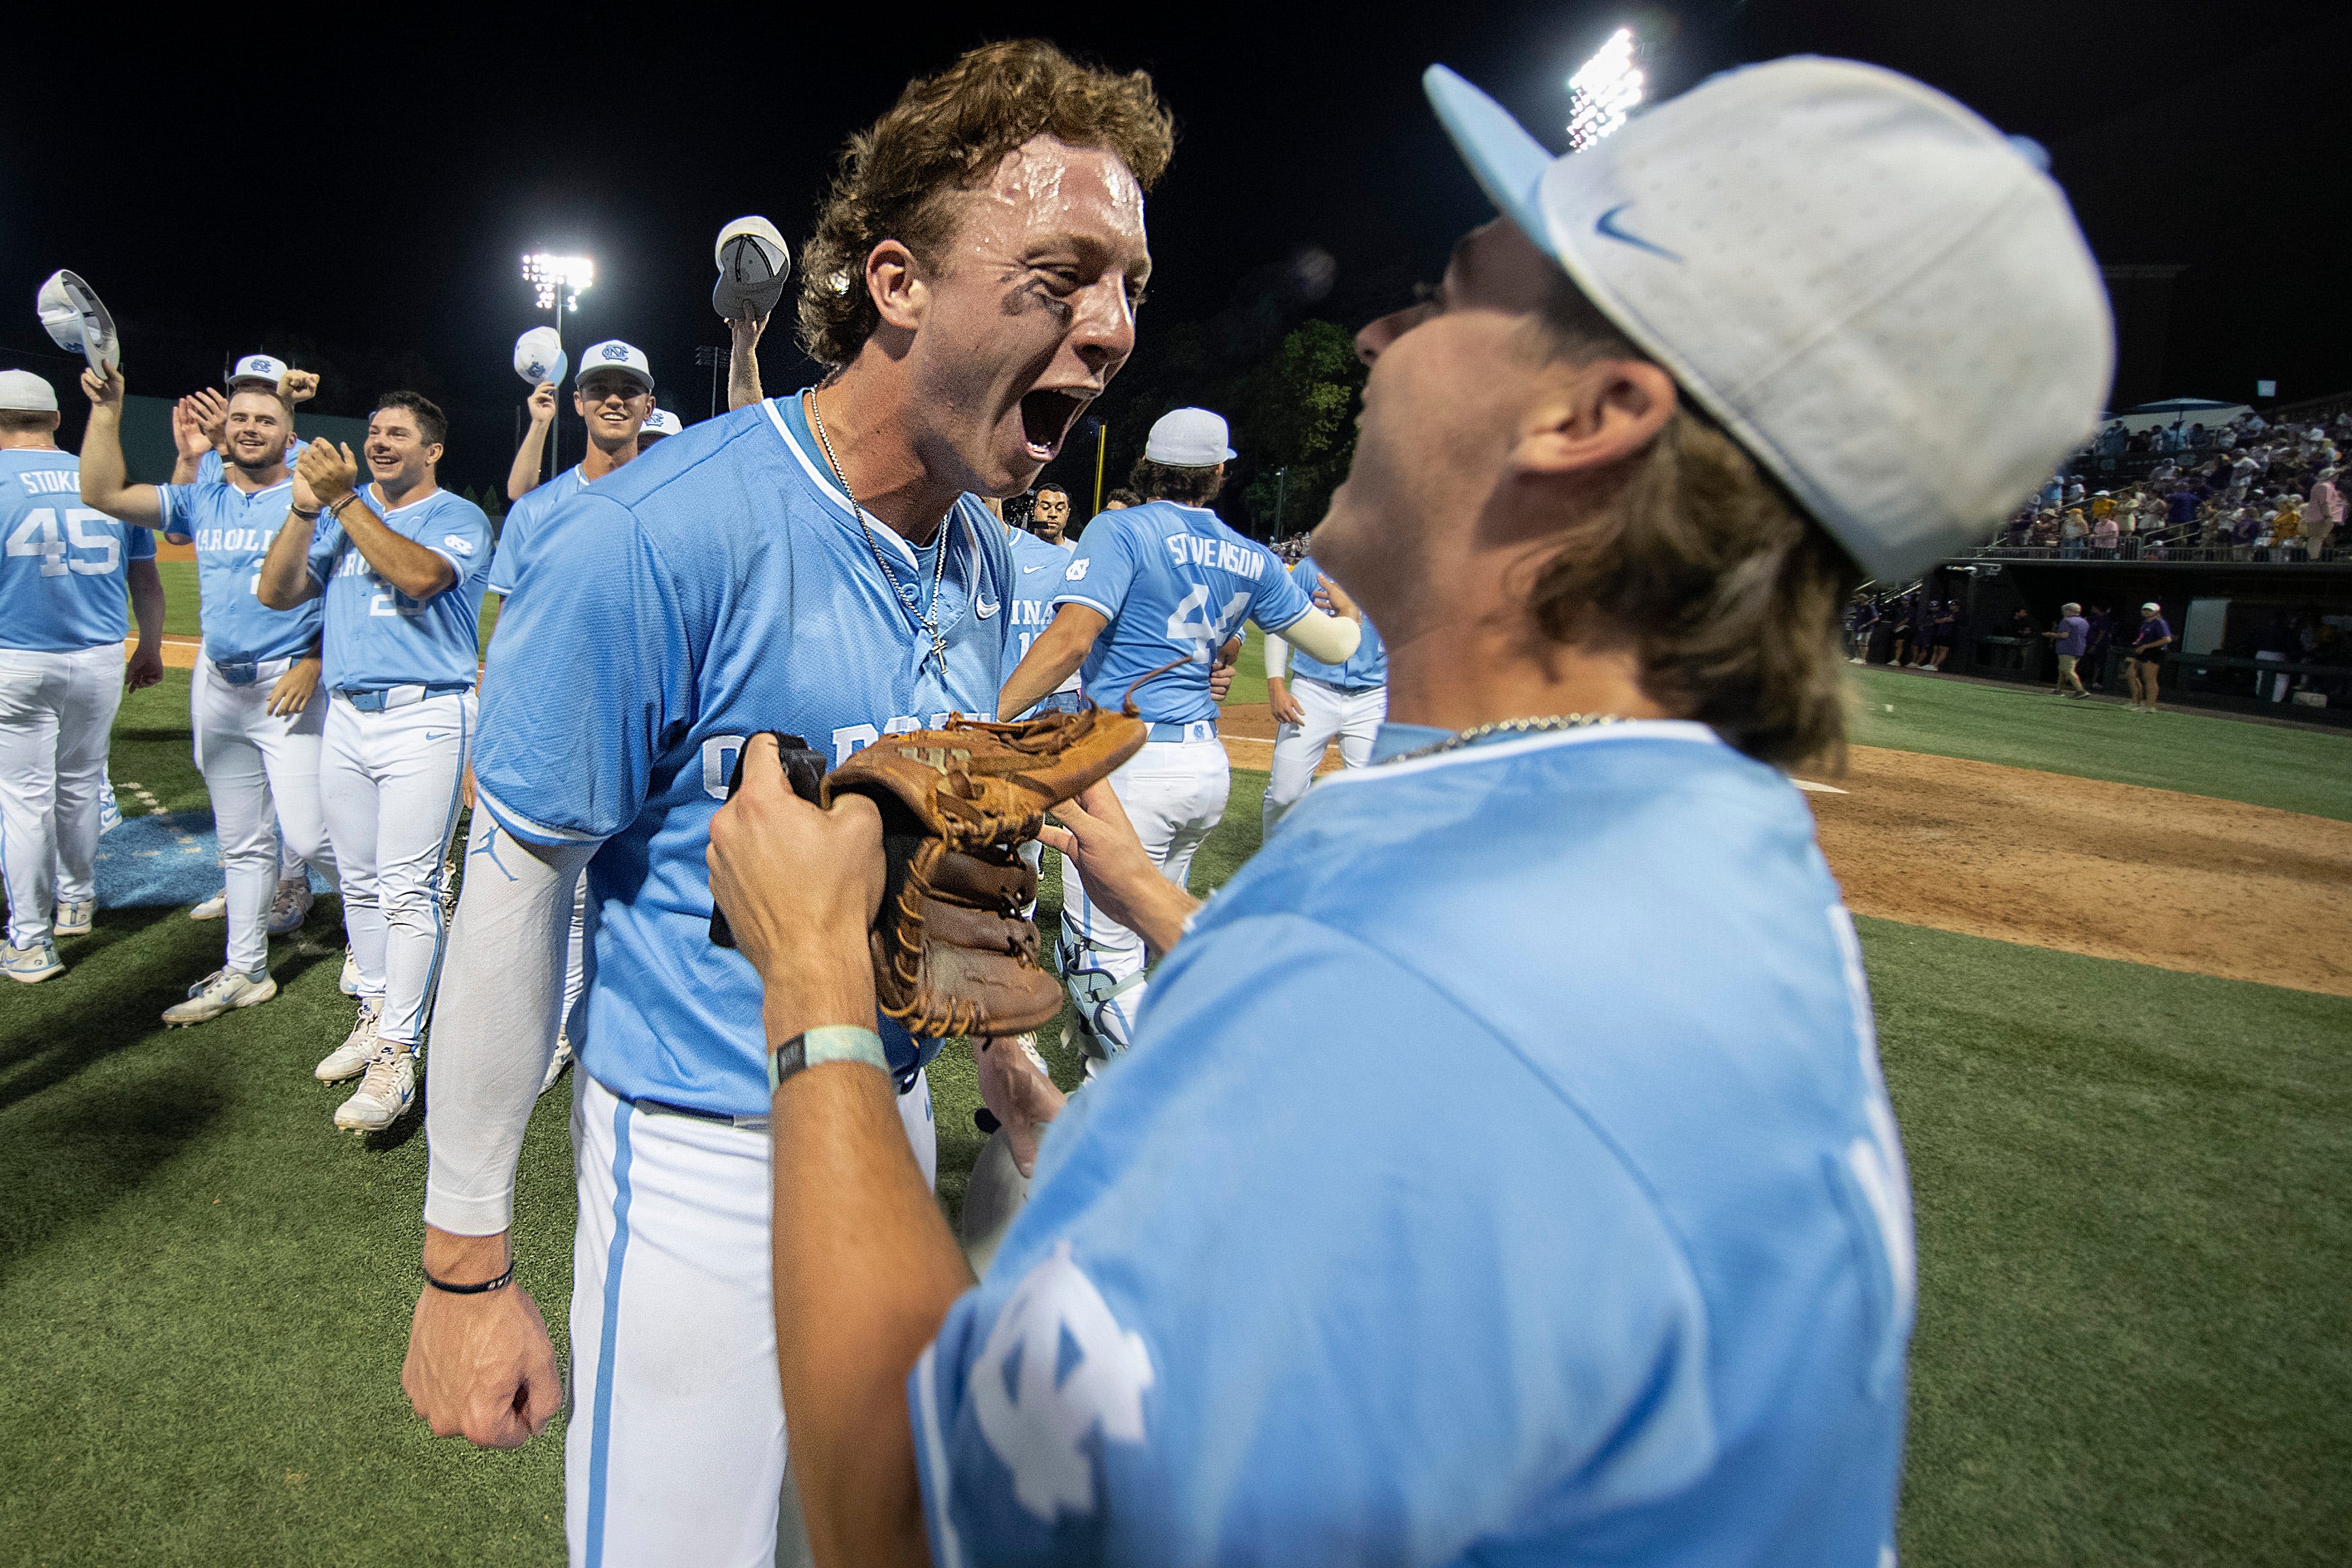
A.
x: 1040, y: 567
x: 1606, y: 223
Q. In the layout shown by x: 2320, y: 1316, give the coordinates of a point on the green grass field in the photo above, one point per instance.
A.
x: 2134, y: 1342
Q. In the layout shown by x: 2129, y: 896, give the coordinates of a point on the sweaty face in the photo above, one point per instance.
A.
x: 1029, y: 312
x: 1451, y: 379
x: 398, y: 456
x: 614, y: 407
x: 256, y: 431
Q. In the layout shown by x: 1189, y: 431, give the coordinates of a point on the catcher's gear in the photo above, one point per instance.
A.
x: 952, y: 952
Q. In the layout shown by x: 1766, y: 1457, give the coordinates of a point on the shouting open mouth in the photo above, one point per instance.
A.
x: 1047, y: 415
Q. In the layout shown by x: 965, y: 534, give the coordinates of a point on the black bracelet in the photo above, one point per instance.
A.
x: 310, y: 516
x: 486, y: 1286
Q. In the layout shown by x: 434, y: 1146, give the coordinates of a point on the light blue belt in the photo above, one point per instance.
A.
x: 1195, y: 730
x: 399, y: 696
x: 246, y: 671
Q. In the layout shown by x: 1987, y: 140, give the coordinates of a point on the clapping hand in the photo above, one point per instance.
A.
x: 328, y: 470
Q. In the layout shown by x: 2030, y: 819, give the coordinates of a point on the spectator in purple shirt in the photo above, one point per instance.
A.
x: 2147, y: 656
x: 2070, y: 636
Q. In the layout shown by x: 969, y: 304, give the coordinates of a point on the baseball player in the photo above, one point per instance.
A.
x: 401, y: 566
x: 200, y: 434
x: 816, y: 563
x: 1151, y: 586
x: 1051, y: 517
x: 1315, y: 702
x: 64, y: 579
x: 614, y: 395
x: 1227, y: 1329
x: 660, y: 425
x: 251, y: 696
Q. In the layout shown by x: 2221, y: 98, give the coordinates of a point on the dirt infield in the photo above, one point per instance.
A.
x: 2178, y: 881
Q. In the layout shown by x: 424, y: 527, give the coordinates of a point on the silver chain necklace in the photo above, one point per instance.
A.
x: 931, y: 621
x: 1455, y: 742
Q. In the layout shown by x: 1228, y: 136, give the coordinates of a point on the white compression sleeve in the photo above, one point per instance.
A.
x: 1331, y: 638
x: 494, y: 1025
x: 1277, y: 657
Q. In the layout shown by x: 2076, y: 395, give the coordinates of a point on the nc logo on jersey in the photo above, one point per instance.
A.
x: 1078, y: 570
x: 1036, y: 1415
x: 461, y: 545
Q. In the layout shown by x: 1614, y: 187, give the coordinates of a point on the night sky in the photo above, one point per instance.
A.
x: 359, y: 197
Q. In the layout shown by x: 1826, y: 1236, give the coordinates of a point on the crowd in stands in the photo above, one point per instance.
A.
x: 2249, y: 490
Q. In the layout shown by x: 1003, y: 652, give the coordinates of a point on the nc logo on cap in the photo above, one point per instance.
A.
x: 539, y: 356
x: 615, y: 352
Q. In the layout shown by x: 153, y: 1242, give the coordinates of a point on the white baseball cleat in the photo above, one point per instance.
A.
x: 222, y: 991
x: 753, y: 263
x: 32, y: 964
x: 291, y: 908
x: 212, y: 909
x: 556, y: 1064
x: 74, y: 917
x: 357, y: 1050
x: 349, y: 984
x: 384, y: 1095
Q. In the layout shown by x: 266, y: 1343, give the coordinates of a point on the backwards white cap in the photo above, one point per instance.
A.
x: 1883, y: 299
x: 615, y: 354
x: 1188, y: 438
x: 22, y: 392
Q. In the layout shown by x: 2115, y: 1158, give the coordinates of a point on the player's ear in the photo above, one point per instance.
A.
x: 895, y: 281
x: 1591, y: 415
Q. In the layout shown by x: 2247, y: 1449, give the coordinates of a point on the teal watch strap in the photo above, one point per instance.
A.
x: 835, y: 1043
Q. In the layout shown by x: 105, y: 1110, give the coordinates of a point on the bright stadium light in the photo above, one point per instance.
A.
x: 1603, y: 92
x: 552, y: 275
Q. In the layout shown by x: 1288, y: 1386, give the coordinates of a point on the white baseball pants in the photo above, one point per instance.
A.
x: 57, y: 715
x: 1353, y: 718
x: 1174, y: 793
x: 674, y: 1453
x: 388, y: 783
x: 262, y: 772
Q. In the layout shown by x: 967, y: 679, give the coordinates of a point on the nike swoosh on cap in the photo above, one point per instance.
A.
x: 1606, y: 223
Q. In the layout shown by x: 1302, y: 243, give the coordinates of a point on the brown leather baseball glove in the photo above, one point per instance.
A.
x: 952, y: 952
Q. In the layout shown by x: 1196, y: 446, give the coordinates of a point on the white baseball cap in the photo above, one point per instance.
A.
x: 2152, y: 605
x: 660, y: 422
x: 539, y: 356
x: 1188, y: 438
x: 615, y: 354
x: 1884, y: 300
x: 78, y: 321
x: 258, y: 367
x: 22, y: 392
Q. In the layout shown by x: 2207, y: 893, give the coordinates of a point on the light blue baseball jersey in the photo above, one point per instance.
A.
x: 524, y: 523
x: 231, y: 530
x: 725, y: 590
x: 65, y: 578
x: 210, y: 467
x: 1595, y: 1246
x: 1175, y: 582
x: 1037, y: 569
x: 1367, y: 667
x: 376, y: 636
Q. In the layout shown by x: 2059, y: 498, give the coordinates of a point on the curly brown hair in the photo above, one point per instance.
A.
x: 946, y: 134
x: 1729, y: 594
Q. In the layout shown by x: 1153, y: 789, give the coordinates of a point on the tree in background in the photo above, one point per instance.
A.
x: 1295, y: 419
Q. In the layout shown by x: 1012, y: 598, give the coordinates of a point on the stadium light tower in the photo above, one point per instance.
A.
x: 1603, y: 92
x: 561, y: 280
